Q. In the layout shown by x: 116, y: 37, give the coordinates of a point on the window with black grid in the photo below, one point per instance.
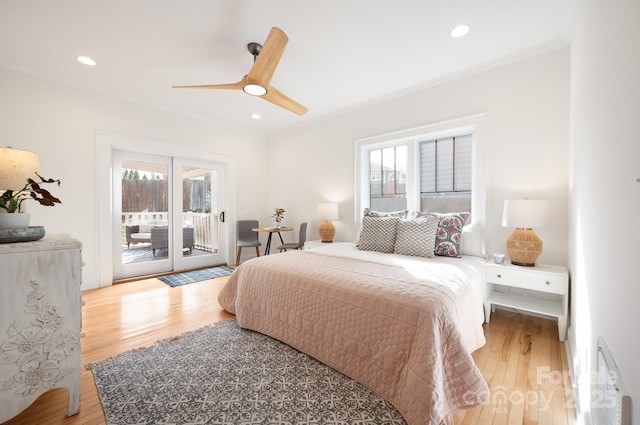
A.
x: 446, y: 174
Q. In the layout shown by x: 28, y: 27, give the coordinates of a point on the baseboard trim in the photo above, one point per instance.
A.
x: 569, y: 348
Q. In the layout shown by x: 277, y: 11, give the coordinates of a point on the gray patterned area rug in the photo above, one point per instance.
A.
x: 222, y: 374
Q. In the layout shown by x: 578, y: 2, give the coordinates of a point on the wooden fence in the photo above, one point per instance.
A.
x: 153, y: 195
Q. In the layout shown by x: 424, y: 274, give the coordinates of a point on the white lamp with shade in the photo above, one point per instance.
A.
x: 326, y: 213
x: 523, y: 245
x: 16, y: 166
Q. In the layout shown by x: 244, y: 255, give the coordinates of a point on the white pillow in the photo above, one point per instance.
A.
x: 416, y: 236
x: 144, y: 228
x: 472, y: 240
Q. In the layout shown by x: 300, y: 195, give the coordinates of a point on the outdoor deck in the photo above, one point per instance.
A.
x: 142, y: 252
x: 205, y: 235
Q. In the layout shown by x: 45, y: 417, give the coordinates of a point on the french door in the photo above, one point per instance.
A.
x: 168, y: 214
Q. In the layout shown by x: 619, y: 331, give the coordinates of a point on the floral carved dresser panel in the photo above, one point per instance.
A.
x: 40, y: 322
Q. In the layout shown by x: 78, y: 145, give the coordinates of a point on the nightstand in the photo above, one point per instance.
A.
x: 543, y: 289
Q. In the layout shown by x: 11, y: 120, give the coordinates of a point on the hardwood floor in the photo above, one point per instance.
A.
x: 523, y: 361
x: 526, y: 368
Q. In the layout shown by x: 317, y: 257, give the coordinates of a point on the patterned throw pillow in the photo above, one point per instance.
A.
x: 449, y: 233
x: 378, y: 234
x: 368, y: 212
x: 416, y: 236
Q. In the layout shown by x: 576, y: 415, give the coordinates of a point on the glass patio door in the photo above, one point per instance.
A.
x: 142, y: 213
x: 198, y: 192
x: 167, y: 214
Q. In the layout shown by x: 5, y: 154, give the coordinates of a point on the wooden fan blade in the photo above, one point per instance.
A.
x: 232, y: 86
x: 268, y: 58
x: 278, y: 98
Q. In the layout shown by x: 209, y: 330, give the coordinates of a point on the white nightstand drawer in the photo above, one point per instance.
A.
x: 527, y: 279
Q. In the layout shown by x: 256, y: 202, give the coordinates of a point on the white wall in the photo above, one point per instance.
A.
x: 605, y: 157
x: 527, y: 107
x: 60, y: 122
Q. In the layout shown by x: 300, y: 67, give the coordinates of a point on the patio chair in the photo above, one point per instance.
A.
x: 160, y: 238
x: 137, y: 234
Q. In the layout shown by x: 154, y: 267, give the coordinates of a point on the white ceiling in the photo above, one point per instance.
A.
x: 341, y: 53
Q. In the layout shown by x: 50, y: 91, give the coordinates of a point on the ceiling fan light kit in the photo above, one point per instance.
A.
x: 256, y: 83
x: 254, y: 90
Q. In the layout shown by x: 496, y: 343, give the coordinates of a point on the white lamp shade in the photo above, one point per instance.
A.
x: 328, y: 211
x: 526, y: 213
x: 16, y: 166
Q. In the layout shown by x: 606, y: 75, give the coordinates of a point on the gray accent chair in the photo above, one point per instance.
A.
x: 246, y: 238
x: 301, y: 240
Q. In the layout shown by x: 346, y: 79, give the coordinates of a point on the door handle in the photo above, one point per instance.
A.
x: 222, y: 216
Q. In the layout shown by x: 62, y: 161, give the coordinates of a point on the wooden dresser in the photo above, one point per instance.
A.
x: 40, y: 322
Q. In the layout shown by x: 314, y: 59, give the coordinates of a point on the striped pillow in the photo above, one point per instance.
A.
x: 368, y: 212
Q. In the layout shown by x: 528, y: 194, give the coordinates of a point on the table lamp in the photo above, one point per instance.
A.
x: 16, y: 166
x: 523, y: 245
x: 326, y: 213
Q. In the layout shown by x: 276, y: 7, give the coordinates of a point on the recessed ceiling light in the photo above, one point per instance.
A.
x: 460, y: 31
x: 256, y: 116
x: 86, y: 60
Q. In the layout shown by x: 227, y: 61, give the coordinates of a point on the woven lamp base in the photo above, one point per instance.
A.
x: 327, y: 231
x: 524, y: 247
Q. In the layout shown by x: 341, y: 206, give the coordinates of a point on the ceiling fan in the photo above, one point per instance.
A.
x: 256, y: 82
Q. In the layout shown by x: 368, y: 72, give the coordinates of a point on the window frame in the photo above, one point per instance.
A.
x: 391, y: 176
x: 473, y: 124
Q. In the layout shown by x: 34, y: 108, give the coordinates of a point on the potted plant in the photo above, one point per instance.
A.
x: 11, y: 202
x: 278, y: 215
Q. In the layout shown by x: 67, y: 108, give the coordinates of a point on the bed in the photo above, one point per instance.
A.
x: 403, y: 326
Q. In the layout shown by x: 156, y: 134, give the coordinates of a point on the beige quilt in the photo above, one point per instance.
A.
x: 384, y: 325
